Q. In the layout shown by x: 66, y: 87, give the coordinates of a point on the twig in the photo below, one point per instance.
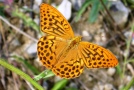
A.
x: 107, y: 11
x: 4, y: 41
x: 17, y: 29
x: 84, y: 86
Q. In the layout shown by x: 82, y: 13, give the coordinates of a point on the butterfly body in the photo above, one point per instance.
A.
x: 65, y: 54
x: 73, y: 43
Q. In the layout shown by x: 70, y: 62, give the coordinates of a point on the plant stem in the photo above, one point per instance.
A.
x: 19, y: 72
x: 128, y: 86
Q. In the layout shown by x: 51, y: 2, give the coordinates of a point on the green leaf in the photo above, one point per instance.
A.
x: 71, y: 88
x: 94, y: 11
x: 93, y: 14
x: 2, y: 11
x: 60, y: 84
x: 45, y: 74
x: 27, y: 20
x: 25, y: 62
x: 84, y: 6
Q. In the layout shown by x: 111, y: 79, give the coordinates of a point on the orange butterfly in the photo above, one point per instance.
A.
x: 65, y: 54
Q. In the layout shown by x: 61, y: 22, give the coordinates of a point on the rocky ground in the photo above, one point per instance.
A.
x: 111, y: 26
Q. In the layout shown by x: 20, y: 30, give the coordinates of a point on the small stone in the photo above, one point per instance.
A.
x: 111, y: 71
x: 108, y: 87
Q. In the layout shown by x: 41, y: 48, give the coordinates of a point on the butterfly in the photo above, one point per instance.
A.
x: 62, y: 52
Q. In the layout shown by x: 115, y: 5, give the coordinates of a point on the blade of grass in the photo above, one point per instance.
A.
x: 27, y: 20
x: 128, y: 43
x: 129, y: 85
x: 119, y: 70
x: 45, y: 74
x: 60, y: 84
x: 84, y: 6
x: 20, y: 73
x: 94, y: 11
x: 28, y: 65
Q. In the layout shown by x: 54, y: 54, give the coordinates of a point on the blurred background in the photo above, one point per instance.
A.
x: 108, y: 23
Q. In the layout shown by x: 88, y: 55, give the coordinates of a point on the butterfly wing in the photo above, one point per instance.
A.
x: 53, y: 23
x: 70, y: 66
x: 52, y: 48
x: 95, y: 56
x: 48, y: 48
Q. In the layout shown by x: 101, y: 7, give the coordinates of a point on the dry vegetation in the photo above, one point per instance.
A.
x: 19, y: 34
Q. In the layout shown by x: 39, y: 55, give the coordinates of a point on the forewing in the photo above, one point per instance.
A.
x: 95, y: 56
x: 52, y: 22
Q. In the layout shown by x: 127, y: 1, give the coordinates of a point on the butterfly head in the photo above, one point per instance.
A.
x: 75, y: 40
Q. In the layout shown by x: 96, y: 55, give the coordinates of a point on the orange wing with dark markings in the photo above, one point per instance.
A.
x: 52, y: 22
x: 65, y: 54
x: 95, y: 56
